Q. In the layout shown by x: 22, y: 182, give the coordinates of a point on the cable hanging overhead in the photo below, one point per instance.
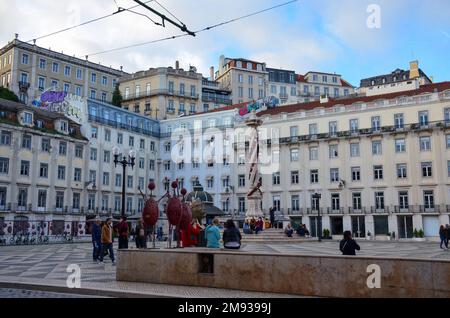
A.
x: 119, y: 10
x: 199, y: 31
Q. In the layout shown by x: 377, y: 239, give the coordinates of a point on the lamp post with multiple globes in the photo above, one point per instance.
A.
x: 125, y: 162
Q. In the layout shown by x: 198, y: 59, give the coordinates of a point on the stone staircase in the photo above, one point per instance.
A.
x: 273, y: 236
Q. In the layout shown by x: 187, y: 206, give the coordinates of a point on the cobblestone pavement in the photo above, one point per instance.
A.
x: 22, y: 293
x: 48, y: 264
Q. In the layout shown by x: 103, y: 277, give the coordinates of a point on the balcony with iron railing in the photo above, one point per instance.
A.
x: 159, y: 92
x: 217, y: 99
x: 360, y: 132
x: 123, y: 126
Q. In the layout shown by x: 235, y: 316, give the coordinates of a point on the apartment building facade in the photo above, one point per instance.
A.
x: 397, y: 81
x: 190, y: 154
x: 313, y: 85
x: 283, y: 85
x: 381, y: 164
x: 162, y: 93
x: 28, y: 70
x: 41, y: 162
x: 247, y: 80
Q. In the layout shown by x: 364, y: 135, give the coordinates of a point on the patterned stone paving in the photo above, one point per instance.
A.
x: 22, y: 293
x: 47, y: 264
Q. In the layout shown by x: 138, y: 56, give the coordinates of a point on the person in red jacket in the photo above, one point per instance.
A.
x: 189, y: 237
x: 122, y: 230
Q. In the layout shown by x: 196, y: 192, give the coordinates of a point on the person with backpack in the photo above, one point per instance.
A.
x: 231, y: 236
x: 348, y: 245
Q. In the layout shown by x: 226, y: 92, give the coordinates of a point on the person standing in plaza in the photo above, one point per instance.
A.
x: 107, y: 241
x: 272, y: 217
x: 140, y: 235
x: 231, y: 236
x: 443, y: 237
x: 213, y: 234
x: 348, y: 245
x: 122, y: 229
x: 96, y: 238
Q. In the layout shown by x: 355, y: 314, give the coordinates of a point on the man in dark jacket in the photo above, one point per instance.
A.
x: 122, y: 229
x: 272, y: 217
x: 96, y: 238
x: 348, y: 245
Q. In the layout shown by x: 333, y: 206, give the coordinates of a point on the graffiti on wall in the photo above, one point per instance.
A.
x: 62, y: 103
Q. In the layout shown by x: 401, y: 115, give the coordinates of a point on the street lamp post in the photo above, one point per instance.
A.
x: 317, y: 197
x: 131, y: 161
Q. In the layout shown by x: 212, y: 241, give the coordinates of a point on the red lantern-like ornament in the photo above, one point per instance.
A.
x: 150, y: 213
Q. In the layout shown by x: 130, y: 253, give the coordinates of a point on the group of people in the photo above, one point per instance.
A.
x: 253, y: 226
x: 231, y: 235
x: 102, y: 238
x: 301, y: 230
x: 444, y: 235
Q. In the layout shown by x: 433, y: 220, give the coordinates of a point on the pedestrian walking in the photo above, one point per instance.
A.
x: 348, y: 245
x: 231, y: 236
x: 212, y: 234
x: 122, y: 229
x: 443, y: 237
x: 107, y: 241
x: 447, y: 235
x: 96, y: 239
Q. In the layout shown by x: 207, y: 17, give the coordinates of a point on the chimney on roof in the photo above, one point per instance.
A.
x: 414, y: 70
x: 211, y: 73
x: 17, y: 36
x: 177, y: 65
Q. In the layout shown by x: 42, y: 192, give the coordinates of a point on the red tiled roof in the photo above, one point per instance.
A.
x: 431, y: 88
x: 300, y: 78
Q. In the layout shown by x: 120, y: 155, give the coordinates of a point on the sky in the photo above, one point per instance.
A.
x: 354, y: 38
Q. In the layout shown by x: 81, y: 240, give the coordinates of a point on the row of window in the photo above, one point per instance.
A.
x: 377, y: 149
x: 22, y: 201
x: 119, y: 140
x: 251, y: 94
x: 376, y: 124
x: 5, y: 140
x: 67, y: 70
x: 78, y: 89
x: 378, y: 174
x: 250, y: 79
x: 356, y: 204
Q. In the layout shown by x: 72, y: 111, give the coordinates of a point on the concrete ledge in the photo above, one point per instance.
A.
x: 317, y: 276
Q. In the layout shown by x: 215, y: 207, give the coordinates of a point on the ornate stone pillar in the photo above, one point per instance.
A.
x: 254, y: 195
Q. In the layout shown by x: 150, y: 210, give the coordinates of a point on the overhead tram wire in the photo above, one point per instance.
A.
x: 120, y: 10
x: 196, y: 32
x: 168, y: 12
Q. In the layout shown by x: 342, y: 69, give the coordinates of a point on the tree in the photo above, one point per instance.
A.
x: 8, y: 95
x: 197, y: 210
x: 117, y: 97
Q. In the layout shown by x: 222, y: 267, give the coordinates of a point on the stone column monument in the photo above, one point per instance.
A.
x: 254, y: 195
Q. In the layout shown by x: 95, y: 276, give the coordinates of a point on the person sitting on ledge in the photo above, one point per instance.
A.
x: 307, y: 234
x: 253, y: 225
x: 231, y: 236
x: 259, y: 226
x: 301, y: 231
x: 212, y: 234
x: 289, y: 230
x: 247, y: 229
